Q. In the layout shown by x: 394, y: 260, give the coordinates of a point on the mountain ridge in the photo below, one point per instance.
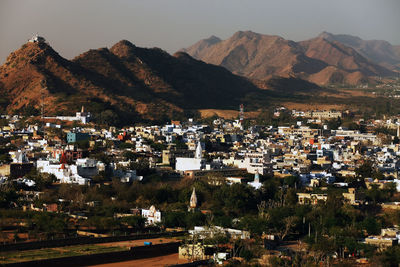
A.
x: 379, y: 51
x: 136, y: 83
x: 260, y: 56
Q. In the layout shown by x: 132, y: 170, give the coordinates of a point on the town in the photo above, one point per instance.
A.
x: 299, y: 187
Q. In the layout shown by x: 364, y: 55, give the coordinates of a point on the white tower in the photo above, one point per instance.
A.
x: 257, y: 178
x: 193, y: 200
x: 256, y: 183
x: 398, y: 130
x: 199, y: 151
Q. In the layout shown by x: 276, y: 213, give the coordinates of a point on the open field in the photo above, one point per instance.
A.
x: 47, y: 253
x: 226, y: 113
x: 133, y: 243
x: 166, y: 260
x: 348, y: 93
x: 68, y: 251
x: 313, y: 106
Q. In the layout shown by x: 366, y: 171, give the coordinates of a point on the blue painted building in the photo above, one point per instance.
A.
x: 76, y: 137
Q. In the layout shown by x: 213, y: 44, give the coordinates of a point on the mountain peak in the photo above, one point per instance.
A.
x: 325, y: 35
x: 123, y: 48
x: 247, y: 34
x: 182, y: 55
x: 32, y: 52
x: 125, y: 43
x: 212, y: 40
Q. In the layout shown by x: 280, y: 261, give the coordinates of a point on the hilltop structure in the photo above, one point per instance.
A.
x: 82, y: 116
x: 37, y: 39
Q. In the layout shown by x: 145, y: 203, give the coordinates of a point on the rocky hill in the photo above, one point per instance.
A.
x: 128, y: 82
x: 261, y: 57
x: 256, y: 56
x: 379, y: 51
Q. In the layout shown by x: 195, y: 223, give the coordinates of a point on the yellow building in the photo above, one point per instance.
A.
x: 381, y: 242
x: 353, y: 197
x: 5, y: 170
x: 194, y: 252
x: 311, y: 198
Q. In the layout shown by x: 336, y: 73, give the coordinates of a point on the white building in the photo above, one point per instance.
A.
x: 37, y: 39
x: 191, y: 164
x: 63, y: 172
x: 81, y: 116
x: 256, y: 183
x: 205, y: 232
x: 152, y: 215
x: 254, y: 162
x: 18, y: 156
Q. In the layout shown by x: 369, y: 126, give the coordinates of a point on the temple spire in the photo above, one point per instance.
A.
x: 193, y: 200
x: 257, y: 177
x: 199, y: 151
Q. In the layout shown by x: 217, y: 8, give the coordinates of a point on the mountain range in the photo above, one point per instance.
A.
x: 326, y: 59
x: 132, y: 82
x: 124, y: 84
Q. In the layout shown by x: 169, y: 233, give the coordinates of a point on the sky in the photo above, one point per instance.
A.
x: 75, y: 26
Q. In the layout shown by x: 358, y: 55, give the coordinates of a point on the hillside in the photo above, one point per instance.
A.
x: 257, y: 56
x: 396, y: 49
x: 261, y: 57
x: 379, y: 51
x: 132, y: 83
x: 201, y: 46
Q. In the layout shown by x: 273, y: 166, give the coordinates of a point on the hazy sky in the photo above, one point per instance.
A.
x: 74, y: 26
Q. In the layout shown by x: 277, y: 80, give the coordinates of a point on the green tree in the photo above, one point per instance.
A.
x: 137, y: 222
x: 365, y: 170
x: 371, y: 225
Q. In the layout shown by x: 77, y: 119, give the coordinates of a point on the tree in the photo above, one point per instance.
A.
x: 141, y: 165
x: 391, y: 256
x: 42, y: 180
x: 5, y: 158
x: 100, y: 177
x: 194, y: 218
x: 374, y: 193
x: 129, y: 155
x: 108, y: 117
x: 333, y: 124
x: 174, y: 219
x: 7, y: 195
x: 291, y: 180
x: 371, y: 225
x: 289, y: 223
x: 390, y: 188
x: 137, y: 222
x: 365, y: 170
x: 291, y: 197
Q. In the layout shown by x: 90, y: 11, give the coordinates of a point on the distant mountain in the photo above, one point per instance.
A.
x: 396, y: 49
x: 256, y: 56
x: 132, y: 83
x: 198, y: 48
x: 262, y: 57
x: 379, y: 51
x: 345, y: 65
